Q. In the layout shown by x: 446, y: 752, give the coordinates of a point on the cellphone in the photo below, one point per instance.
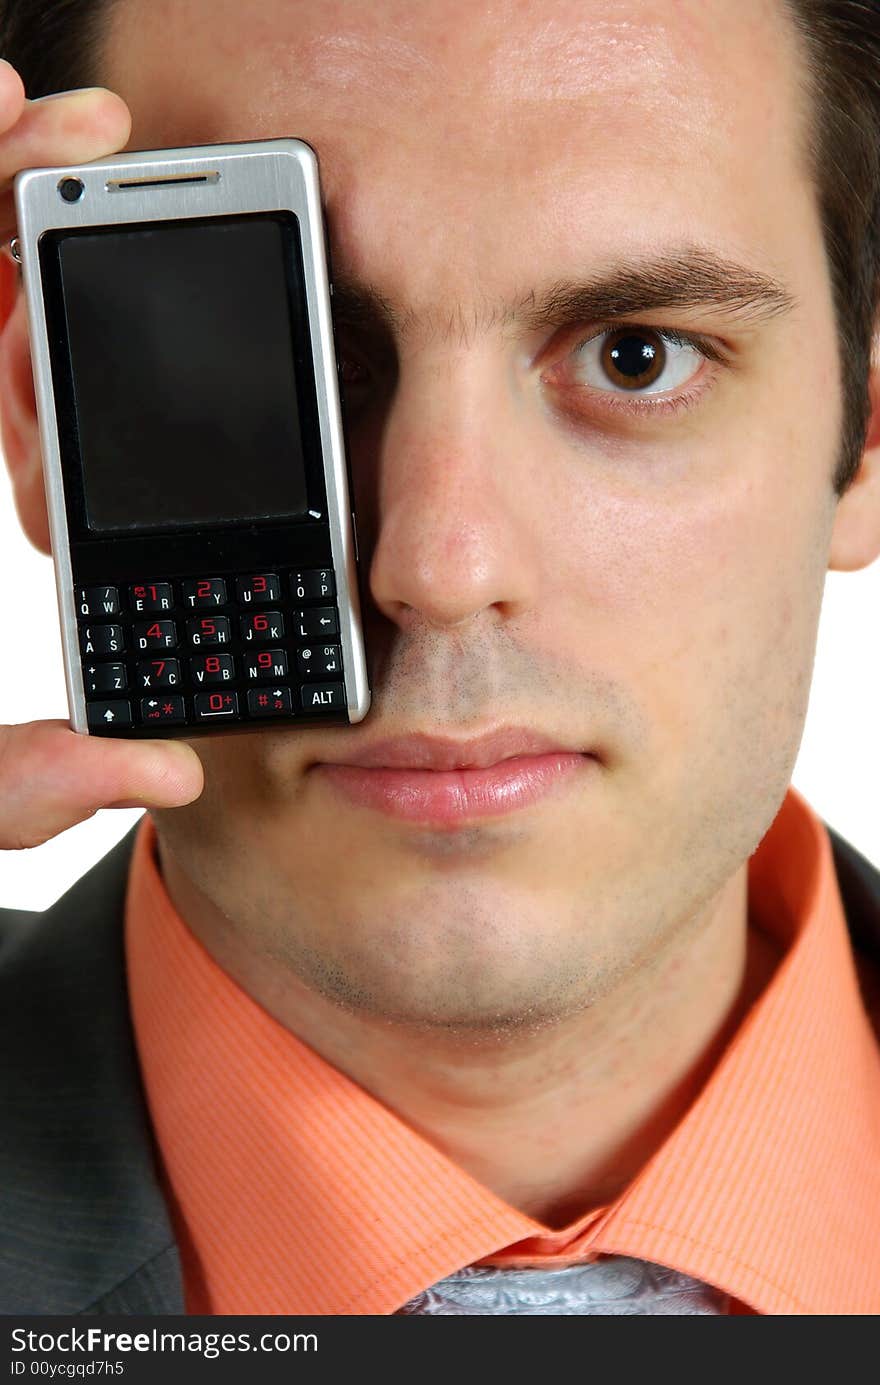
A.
x: 197, y: 480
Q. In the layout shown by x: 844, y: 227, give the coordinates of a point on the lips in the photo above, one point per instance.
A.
x: 422, y: 751
x: 444, y: 782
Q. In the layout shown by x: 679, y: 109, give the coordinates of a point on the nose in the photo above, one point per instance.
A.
x: 455, y: 536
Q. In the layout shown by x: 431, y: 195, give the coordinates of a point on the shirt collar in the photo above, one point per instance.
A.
x: 295, y: 1191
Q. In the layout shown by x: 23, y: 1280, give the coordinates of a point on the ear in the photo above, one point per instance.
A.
x: 19, y: 430
x: 855, y: 539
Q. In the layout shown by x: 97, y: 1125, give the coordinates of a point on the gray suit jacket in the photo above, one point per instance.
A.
x: 84, y: 1227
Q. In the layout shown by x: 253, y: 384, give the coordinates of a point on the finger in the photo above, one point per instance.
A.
x: 11, y: 95
x: 52, y: 777
x: 65, y: 128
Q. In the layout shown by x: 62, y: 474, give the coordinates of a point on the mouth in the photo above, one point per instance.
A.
x: 441, y: 781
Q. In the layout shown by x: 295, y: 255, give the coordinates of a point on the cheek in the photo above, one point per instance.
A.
x: 702, y: 604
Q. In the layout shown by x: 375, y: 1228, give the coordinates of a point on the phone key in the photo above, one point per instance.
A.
x: 151, y: 596
x: 159, y: 634
x: 212, y: 668
x: 216, y: 704
x: 318, y: 623
x: 266, y: 665
x: 271, y: 702
x: 102, y: 678
x: 259, y: 628
x: 202, y: 592
x: 316, y: 584
x: 259, y: 589
x: 319, y: 660
x: 323, y: 697
x: 158, y: 673
x: 163, y: 709
x: 208, y: 631
x: 114, y: 713
x: 102, y: 639
x: 97, y: 601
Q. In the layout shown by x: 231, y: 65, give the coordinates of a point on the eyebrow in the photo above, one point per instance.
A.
x: 689, y: 277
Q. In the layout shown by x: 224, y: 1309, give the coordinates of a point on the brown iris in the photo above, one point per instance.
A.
x: 633, y: 358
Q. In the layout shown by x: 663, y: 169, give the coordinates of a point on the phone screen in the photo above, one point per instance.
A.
x: 185, y: 346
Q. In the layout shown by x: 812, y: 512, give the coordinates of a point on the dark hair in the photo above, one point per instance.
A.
x: 56, y: 45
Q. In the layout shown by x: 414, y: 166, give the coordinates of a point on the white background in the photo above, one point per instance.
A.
x: 836, y: 771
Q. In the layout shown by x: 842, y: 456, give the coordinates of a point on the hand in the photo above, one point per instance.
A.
x: 65, y: 128
x: 52, y: 777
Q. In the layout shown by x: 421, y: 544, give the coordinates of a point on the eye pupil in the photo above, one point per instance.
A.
x: 630, y: 358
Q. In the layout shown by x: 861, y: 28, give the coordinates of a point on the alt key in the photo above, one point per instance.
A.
x: 323, y: 697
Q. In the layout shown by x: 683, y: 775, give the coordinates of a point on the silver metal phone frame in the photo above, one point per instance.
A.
x: 264, y: 175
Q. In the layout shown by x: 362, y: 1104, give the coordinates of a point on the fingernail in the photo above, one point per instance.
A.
x: 69, y: 95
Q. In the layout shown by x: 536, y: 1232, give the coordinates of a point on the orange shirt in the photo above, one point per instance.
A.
x: 294, y: 1191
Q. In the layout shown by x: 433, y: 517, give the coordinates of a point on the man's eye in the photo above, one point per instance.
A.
x: 623, y: 367
x: 350, y: 371
x: 354, y: 382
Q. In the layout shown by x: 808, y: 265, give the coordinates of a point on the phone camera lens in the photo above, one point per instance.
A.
x: 71, y: 189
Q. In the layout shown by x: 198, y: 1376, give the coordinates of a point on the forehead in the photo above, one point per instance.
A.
x: 451, y: 124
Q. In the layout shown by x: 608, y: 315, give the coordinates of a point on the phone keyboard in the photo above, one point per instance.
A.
x: 205, y: 651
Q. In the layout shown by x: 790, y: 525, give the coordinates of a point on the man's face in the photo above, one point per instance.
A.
x: 536, y: 552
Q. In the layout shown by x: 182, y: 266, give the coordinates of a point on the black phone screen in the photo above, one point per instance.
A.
x: 186, y: 345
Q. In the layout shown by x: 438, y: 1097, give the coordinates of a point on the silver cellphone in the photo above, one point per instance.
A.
x: 196, y: 473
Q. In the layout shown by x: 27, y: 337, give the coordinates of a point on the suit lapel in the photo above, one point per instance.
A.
x: 859, y: 883
x: 85, y: 1224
